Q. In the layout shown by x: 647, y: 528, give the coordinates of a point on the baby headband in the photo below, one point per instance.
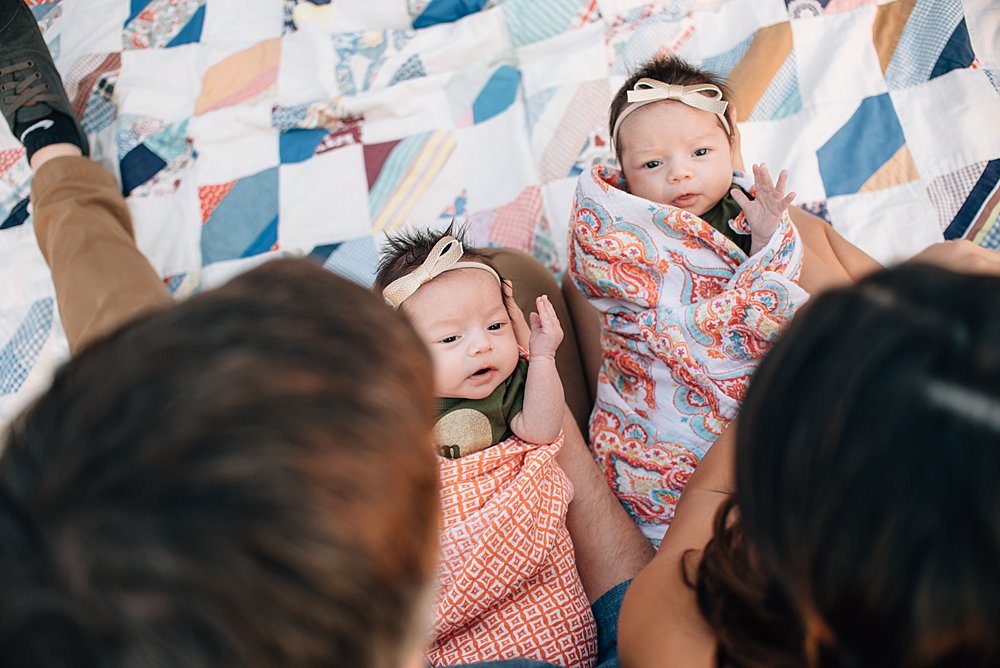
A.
x: 445, y: 256
x: 650, y: 90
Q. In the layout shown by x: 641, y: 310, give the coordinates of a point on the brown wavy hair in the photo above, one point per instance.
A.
x: 245, y: 479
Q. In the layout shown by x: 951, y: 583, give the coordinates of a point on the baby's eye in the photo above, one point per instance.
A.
x: 652, y: 164
x: 495, y: 327
x: 698, y: 152
x: 449, y: 339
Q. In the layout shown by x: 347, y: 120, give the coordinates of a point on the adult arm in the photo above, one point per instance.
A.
x: 609, y: 547
x: 960, y: 255
x: 830, y: 260
x: 660, y: 622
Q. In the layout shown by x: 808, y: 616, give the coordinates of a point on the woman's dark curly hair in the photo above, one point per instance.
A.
x: 867, y: 499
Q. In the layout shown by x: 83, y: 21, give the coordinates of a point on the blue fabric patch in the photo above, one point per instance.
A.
x: 866, y: 142
x: 299, y: 145
x: 265, y: 240
x: 927, y: 32
x: 413, y: 68
x: 17, y: 216
x: 136, y: 8
x: 984, y: 187
x: 498, y: 94
x: 446, y: 11
x: 40, y: 11
x: 957, y: 53
x: 99, y: 113
x: 244, y: 221
x: 322, y: 253
x: 192, y: 31
x: 723, y: 63
x: 356, y: 260
x: 19, y: 355
x: 138, y: 166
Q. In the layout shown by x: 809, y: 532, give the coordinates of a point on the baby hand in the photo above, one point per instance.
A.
x: 546, y: 333
x: 764, y: 212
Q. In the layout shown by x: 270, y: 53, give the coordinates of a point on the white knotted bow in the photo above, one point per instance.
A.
x: 445, y: 256
x: 646, y: 91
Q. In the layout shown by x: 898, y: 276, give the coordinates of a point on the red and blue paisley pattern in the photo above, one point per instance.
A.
x: 685, y: 317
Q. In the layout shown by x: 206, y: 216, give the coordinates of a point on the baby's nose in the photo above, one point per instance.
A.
x: 679, y: 171
x: 480, y: 345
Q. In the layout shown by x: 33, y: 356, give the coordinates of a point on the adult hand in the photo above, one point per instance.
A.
x: 961, y: 255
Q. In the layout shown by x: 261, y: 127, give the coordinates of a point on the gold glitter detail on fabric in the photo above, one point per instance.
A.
x: 462, y: 432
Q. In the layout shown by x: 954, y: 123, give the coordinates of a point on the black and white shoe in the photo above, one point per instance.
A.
x: 32, y: 97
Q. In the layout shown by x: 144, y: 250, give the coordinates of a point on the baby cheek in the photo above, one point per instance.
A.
x: 443, y: 371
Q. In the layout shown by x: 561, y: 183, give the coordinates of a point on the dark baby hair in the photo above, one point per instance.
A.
x: 669, y: 70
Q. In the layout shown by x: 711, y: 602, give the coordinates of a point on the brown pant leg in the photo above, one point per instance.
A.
x: 587, y: 323
x: 85, y: 233
x: 531, y: 279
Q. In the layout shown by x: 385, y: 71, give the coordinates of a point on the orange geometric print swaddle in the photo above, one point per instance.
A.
x: 508, y: 585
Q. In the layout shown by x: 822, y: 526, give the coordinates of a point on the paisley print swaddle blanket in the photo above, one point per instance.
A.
x: 685, y: 317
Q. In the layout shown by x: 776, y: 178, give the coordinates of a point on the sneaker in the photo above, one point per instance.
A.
x: 32, y: 97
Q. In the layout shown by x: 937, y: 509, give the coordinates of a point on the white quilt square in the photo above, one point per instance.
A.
x: 168, y: 228
x: 571, y: 57
x: 496, y: 159
x: 891, y: 225
x: 233, y: 142
x: 88, y: 26
x: 950, y: 121
x: 162, y: 83
x: 242, y: 21
x: 836, y: 70
x: 323, y: 199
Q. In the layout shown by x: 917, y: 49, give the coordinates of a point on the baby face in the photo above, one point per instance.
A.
x: 461, y: 317
x: 675, y: 154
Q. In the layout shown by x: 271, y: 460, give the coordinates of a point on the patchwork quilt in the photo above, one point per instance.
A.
x: 245, y: 129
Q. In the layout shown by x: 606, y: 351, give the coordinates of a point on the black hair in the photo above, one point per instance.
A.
x: 671, y: 70
x: 406, y: 250
x: 867, y: 461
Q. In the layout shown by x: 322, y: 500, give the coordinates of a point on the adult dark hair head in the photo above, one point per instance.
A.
x: 668, y: 69
x: 865, y: 528
x: 245, y: 479
x: 406, y: 250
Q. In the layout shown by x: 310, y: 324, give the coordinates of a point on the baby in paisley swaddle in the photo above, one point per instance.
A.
x: 692, y: 277
x: 507, y: 559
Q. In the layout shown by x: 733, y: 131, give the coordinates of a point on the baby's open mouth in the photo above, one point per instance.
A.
x: 483, y: 371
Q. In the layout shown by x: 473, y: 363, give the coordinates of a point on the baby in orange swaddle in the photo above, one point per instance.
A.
x: 508, y: 585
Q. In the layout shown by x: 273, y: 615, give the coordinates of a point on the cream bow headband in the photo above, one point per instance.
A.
x: 445, y: 256
x: 650, y: 90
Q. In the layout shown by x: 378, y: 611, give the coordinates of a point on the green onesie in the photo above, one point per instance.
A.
x: 465, y: 426
x: 724, y: 211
